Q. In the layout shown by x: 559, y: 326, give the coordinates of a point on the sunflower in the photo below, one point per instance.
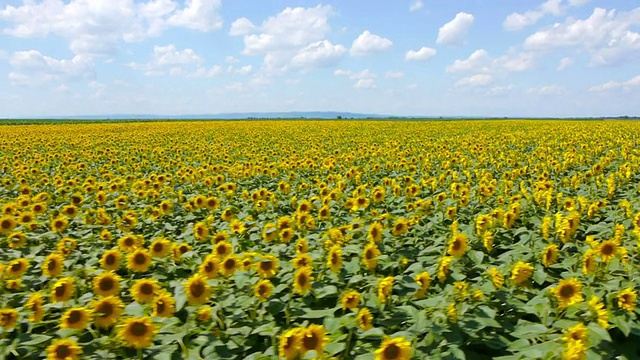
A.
x: 17, y: 240
x: 521, y: 272
x: 164, y: 305
x: 144, y: 290
x: 237, y: 226
x: 36, y: 305
x: 160, y: 248
x: 550, y: 255
x: 289, y: 344
x: 627, y: 299
x: 302, y: 281
x: 374, y: 234
x: 108, y: 311
x: 457, y: 245
x: 16, y: 268
x: 200, y: 231
x: 64, y: 349
x: 269, y: 232
x: 130, y: 242
x: 607, y: 250
x: 365, y: 320
x: 385, y: 288
x: 286, y: 235
x: 598, y: 309
x: 107, y: 284
x: 220, y: 236
x: 139, y: 260
x: 313, y: 338
x: 230, y: 265
x: 394, y: 349
x: 222, y: 249
x: 302, y: 260
x: 350, y: 300
x: 62, y: 289
x: 38, y: 208
x: 8, y: 318
x: 334, y: 258
x: 263, y: 289
x: 198, y: 292
x: 497, y: 279
x: 57, y: 224
x: 443, y: 268
x: 324, y: 213
x: 589, y: 263
x: 370, y: 256
x: 400, y: 227
x: 204, y: 314
x: 180, y: 249
x: 568, y: 292
x: 268, y: 266
x: 110, y: 260
x: 423, y: 280
x: 7, y: 224
x: 137, y: 332
x: 302, y: 246
x: 75, y: 318
x: 70, y: 211
x: 578, y: 332
x: 209, y: 267
x: 106, y: 236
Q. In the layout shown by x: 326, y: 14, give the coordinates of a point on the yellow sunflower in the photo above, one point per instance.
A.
x: 209, y: 267
x: 497, y: 279
x: 568, y: 292
x: 289, y: 344
x: 204, y: 314
x: 400, y: 227
x: 350, y: 300
x: 107, y: 284
x: 17, y: 240
x: 62, y: 289
x: 129, y: 242
x: 164, y: 305
x: 200, y: 231
x: 16, y: 268
x: 520, y: 273
x: 36, y: 305
x: 302, y: 246
x: 75, y: 318
x: 263, y: 289
x: 334, y: 258
x: 286, y: 235
x: 314, y: 338
x: 8, y: 318
x: 144, y: 290
x: 627, y: 299
x: 139, y: 260
x: 423, y: 280
x: 550, y: 255
x: 365, y: 320
x: 160, y: 248
x: 375, y: 232
x: 7, y: 224
x: 107, y: 311
x: 268, y: 266
x: 57, y: 224
x: 64, y: 349
x: 229, y: 265
x: 385, y: 288
x: 111, y: 259
x: 607, y: 250
x: 370, y: 256
x: 302, y: 260
x: 394, y: 349
x: 197, y: 290
x: 443, y: 268
x: 458, y: 245
x: 222, y: 249
x: 302, y: 281
x: 137, y: 332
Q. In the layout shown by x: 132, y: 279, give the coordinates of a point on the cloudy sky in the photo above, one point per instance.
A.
x: 400, y: 57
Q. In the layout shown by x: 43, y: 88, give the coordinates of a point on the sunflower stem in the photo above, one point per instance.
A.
x: 140, y: 354
x: 348, y: 345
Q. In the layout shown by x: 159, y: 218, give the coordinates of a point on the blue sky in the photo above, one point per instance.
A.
x: 400, y: 57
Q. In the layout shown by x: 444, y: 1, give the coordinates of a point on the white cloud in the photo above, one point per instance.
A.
x: 625, y: 85
x: 172, y: 61
x: 243, y: 70
x: 455, y: 31
x: 319, y: 54
x: 365, y: 79
x: 34, y: 68
x: 368, y: 44
x: 499, y: 90
x: 95, y: 27
x: 424, y: 54
x: 394, y: 74
x: 241, y: 26
x: 480, y: 61
x: 365, y: 84
x: 606, y: 35
x: 545, y: 90
x: 565, y: 63
x: 231, y: 60
x: 478, y: 80
x: 517, y: 21
x: 416, y: 5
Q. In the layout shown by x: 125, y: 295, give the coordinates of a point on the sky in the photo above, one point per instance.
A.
x: 512, y: 58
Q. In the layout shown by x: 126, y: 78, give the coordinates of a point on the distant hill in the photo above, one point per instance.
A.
x: 247, y: 115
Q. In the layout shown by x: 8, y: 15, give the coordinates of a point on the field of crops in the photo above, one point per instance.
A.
x: 320, y: 239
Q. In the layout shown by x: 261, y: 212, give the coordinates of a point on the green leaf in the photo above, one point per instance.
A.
x: 334, y: 348
x: 35, y: 340
x: 317, y: 314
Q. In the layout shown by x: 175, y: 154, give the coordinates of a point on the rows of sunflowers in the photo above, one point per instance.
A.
x: 320, y: 239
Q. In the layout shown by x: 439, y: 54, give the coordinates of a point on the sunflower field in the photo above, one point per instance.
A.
x: 320, y: 239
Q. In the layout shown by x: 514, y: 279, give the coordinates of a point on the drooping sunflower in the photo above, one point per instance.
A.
x: 365, y: 319
x: 197, y: 290
x: 62, y: 289
x: 160, y: 248
x: 144, y: 290
x: 423, y: 280
x: 520, y: 273
x: 75, y: 318
x: 209, y: 267
x: 443, y: 268
x: 137, y: 332
x: 350, y: 300
x: 314, y: 338
x: 289, y: 344
x: 458, y: 245
x: 268, y: 266
x: 550, y: 255
x: 394, y: 349
x: 607, y: 250
x: 139, y: 260
x: 302, y: 260
x: 107, y: 284
x: 36, y: 305
x: 302, y: 281
x: 568, y: 292
x: 263, y: 289
x: 334, y: 258
x: 229, y: 265
x: 222, y: 249
x: 64, y: 349
x: 497, y: 279
x: 164, y: 305
x: 111, y: 259
x: 107, y: 311
x: 598, y: 309
x: 627, y: 299
x: 370, y: 256
x: 385, y: 288
x: 16, y: 268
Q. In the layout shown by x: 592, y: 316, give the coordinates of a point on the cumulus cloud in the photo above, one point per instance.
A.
x: 364, y: 79
x: 33, y: 68
x: 319, y: 54
x: 474, y: 81
x: 416, y: 5
x: 481, y: 61
x: 517, y: 21
x: 545, y: 90
x: 96, y: 27
x: 394, y: 74
x: 241, y: 26
x: 606, y: 35
x: 611, y: 85
x: 168, y: 60
x: 424, y: 54
x: 368, y: 43
x: 565, y: 63
x: 455, y: 31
